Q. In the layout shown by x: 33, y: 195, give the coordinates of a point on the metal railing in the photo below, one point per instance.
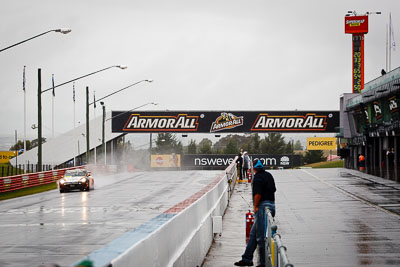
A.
x: 231, y: 176
x: 275, y: 252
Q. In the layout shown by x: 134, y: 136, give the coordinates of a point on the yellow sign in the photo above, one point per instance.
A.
x: 5, y: 156
x: 321, y: 143
x: 166, y: 161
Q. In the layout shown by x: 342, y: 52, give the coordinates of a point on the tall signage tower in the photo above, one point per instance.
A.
x: 357, y: 26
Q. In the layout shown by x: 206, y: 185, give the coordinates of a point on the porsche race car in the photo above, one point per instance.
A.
x: 78, y: 179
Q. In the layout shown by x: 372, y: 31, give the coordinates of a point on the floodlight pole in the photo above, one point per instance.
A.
x: 63, y: 31
x: 39, y: 163
x: 87, y: 126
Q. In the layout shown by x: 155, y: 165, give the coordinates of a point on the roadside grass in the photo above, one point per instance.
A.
x: 327, y: 164
x: 28, y: 191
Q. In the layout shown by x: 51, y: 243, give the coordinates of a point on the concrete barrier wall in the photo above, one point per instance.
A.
x: 185, y: 239
x: 180, y: 236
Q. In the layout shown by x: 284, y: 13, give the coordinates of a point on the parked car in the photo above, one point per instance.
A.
x: 77, y: 179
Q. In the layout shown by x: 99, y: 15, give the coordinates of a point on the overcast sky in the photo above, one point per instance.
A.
x: 202, y: 55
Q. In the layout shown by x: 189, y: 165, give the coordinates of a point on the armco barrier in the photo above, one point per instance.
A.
x: 181, y: 236
x: 16, y: 182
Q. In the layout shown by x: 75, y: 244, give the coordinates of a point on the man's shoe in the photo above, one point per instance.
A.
x: 244, y: 263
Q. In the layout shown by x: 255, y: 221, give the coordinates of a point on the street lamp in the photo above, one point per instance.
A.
x: 103, y: 132
x: 61, y: 30
x: 40, y: 105
x: 126, y: 87
x: 88, y: 104
x: 122, y: 67
x: 103, y: 127
x: 150, y: 103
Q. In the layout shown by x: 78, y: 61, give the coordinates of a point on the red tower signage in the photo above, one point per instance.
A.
x: 357, y: 26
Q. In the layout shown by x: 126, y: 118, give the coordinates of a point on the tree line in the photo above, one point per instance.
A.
x: 272, y: 144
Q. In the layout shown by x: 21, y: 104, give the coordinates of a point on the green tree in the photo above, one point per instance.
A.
x: 20, y: 145
x: 313, y: 156
x: 205, y: 146
x: 192, y: 147
x: 298, y: 146
x: 289, y: 148
x: 167, y: 143
x: 231, y: 147
x: 256, y: 140
x: 274, y: 144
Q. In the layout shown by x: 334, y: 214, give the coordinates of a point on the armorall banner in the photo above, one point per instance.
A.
x: 224, y: 121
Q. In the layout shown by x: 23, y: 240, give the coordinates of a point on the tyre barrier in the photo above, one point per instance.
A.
x: 180, y: 236
x: 16, y: 182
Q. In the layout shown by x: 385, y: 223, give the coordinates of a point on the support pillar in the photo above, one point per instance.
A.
x: 380, y: 157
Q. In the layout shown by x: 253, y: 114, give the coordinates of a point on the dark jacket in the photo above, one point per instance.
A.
x: 239, y: 161
x: 264, y: 185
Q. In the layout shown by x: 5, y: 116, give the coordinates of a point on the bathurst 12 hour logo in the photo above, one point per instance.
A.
x: 181, y: 122
x: 308, y: 122
x: 226, y: 121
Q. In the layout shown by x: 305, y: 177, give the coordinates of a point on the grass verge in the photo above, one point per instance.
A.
x: 327, y: 164
x: 28, y: 191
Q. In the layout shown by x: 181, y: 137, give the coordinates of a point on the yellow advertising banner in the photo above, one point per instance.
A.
x: 166, y: 161
x: 321, y: 143
x: 5, y: 156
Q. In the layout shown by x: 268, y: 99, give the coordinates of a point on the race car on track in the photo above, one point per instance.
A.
x: 78, y: 179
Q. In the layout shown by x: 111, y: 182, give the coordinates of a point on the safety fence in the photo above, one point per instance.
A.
x: 16, y: 182
x: 274, y: 250
x: 231, y: 176
x: 9, y: 170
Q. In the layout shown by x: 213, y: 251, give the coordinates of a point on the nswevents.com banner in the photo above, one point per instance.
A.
x: 224, y: 160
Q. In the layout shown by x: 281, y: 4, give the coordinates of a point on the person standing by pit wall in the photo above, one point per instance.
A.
x: 239, y: 163
x: 263, y: 196
x: 361, y: 160
x: 246, y: 164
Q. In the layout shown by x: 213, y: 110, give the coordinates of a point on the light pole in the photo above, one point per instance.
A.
x: 97, y: 100
x: 126, y: 87
x: 40, y: 106
x: 150, y: 103
x: 62, y: 30
x: 103, y: 132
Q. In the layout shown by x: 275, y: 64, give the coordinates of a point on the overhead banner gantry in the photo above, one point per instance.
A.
x: 225, y: 121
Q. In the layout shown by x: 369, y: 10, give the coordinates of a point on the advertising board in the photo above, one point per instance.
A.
x: 166, y: 161
x: 321, y: 143
x: 224, y: 121
x: 356, y: 24
x: 206, y: 161
x: 5, y: 156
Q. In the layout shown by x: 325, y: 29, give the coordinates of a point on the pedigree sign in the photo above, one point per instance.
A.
x: 356, y: 24
x: 321, y: 143
x: 166, y: 161
x: 5, y: 156
x: 224, y: 121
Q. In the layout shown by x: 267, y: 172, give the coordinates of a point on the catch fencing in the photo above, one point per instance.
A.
x: 22, y: 181
x: 9, y: 170
x: 275, y: 252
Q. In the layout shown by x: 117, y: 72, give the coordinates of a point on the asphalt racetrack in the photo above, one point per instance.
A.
x: 63, y: 228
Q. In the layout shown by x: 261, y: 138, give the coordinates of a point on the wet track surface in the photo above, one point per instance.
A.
x: 63, y: 228
x: 326, y: 217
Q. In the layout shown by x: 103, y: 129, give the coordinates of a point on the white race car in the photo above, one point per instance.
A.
x: 78, y: 179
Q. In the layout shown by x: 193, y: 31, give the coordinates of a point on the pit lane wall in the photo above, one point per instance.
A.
x: 180, y: 236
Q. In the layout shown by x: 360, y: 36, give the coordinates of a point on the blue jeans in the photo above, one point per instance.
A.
x: 257, y: 233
